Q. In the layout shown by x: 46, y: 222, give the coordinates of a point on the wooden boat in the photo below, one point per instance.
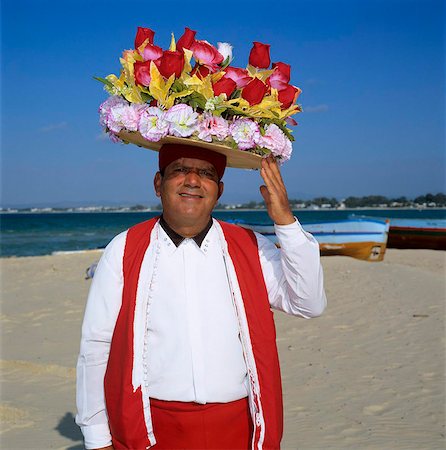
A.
x: 414, y: 233
x: 364, y: 239
x: 417, y: 233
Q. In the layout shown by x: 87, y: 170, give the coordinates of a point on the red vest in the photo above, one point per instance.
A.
x: 125, y: 406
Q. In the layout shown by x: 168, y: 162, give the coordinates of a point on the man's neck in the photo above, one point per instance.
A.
x: 186, y: 230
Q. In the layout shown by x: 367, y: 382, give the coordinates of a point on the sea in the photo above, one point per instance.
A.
x: 32, y: 234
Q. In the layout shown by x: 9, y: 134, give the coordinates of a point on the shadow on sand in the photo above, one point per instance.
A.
x: 68, y: 428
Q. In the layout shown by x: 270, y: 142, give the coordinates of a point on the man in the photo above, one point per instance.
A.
x: 178, y: 342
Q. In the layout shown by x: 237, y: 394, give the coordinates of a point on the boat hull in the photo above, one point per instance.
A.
x: 405, y: 237
x: 414, y: 233
x: 367, y: 251
x: 361, y: 239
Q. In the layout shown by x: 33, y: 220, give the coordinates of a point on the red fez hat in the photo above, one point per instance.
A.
x: 169, y: 153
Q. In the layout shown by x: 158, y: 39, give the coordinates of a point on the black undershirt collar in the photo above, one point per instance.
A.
x: 177, y: 239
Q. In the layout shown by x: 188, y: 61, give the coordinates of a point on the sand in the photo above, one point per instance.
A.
x: 368, y: 374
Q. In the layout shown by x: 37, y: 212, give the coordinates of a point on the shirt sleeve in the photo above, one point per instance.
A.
x: 103, y: 305
x: 293, y: 274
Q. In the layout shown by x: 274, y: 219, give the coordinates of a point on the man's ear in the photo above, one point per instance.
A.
x: 157, y: 184
x: 221, y: 187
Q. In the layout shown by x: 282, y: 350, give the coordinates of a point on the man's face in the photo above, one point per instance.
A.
x: 189, y: 190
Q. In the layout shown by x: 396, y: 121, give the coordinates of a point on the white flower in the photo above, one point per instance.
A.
x: 153, y: 125
x: 245, y: 133
x: 124, y: 116
x: 182, y: 120
x: 225, y: 50
x: 105, y: 108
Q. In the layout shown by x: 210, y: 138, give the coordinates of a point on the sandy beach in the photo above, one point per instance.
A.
x: 368, y: 374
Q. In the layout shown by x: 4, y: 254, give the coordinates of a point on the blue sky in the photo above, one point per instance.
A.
x: 371, y: 72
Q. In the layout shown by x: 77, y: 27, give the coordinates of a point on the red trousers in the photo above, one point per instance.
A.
x: 192, y: 426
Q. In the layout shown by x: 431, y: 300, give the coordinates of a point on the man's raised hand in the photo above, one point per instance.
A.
x: 274, y: 193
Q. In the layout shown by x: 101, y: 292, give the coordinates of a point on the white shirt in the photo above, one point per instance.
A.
x: 192, y: 350
x: 187, y: 359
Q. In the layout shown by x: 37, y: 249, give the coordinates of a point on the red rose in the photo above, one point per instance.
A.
x: 288, y: 96
x: 224, y: 86
x: 254, y: 91
x: 280, y: 78
x: 187, y: 39
x: 142, y: 72
x: 259, y: 56
x: 171, y: 62
x: 142, y: 34
x: 284, y: 70
x: 240, y: 76
x: 206, y: 55
x: 202, y: 71
x: 151, y: 52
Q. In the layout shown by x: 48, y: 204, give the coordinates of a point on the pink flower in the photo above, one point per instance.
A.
x: 151, y: 52
x: 105, y: 108
x: 207, y: 55
x: 182, y: 120
x: 115, y: 139
x: 275, y: 140
x: 290, y: 121
x: 210, y: 125
x: 240, y: 76
x: 142, y: 72
x: 152, y: 124
x: 124, y: 116
x: 280, y: 77
x: 245, y: 133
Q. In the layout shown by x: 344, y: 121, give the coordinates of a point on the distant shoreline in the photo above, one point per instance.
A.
x: 127, y: 211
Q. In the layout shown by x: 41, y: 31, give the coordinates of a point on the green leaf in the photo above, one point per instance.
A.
x: 146, y: 97
x: 178, y: 86
x: 103, y: 80
x: 195, y: 100
x: 235, y: 94
x: 218, y: 112
x: 225, y: 63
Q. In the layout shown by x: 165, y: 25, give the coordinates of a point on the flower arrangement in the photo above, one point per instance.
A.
x: 191, y: 91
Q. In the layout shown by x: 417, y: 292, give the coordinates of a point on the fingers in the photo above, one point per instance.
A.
x: 274, y: 193
x: 271, y: 175
x: 271, y: 163
x: 265, y: 194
